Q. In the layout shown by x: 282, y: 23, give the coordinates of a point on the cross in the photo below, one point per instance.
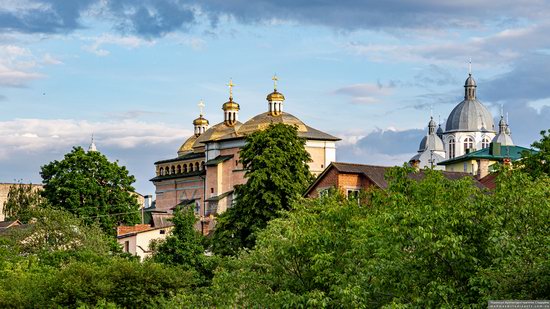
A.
x: 201, y: 106
x: 470, y: 67
x: 275, y: 79
x: 231, y: 85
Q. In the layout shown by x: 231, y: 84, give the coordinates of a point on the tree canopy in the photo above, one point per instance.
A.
x: 430, y: 243
x: 277, y: 173
x: 88, y: 185
x: 537, y: 163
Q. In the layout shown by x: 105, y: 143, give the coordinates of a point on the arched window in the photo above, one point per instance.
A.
x: 197, y: 166
x: 161, y: 171
x: 202, y: 165
x: 190, y: 167
x: 468, y: 144
x: 179, y: 169
x: 173, y: 170
x: 451, y: 148
x: 485, y: 143
x: 185, y: 168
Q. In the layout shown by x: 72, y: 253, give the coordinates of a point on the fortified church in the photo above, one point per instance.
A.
x: 469, y: 127
x: 207, y: 166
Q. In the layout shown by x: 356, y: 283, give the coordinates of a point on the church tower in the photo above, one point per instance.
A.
x: 230, y: 108
x: 275, y: 100
x: 201, y: 123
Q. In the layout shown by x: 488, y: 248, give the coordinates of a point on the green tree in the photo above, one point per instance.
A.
x: 22, y: 200
x: 428, y: 244
x: 277, y: 173
x: 184, y: 246
x: 91, y: 187
x: 537, y: 163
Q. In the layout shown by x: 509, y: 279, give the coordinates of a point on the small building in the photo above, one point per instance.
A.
x: 136, y: 239
x: 350, y: 178
x: 479, y: 162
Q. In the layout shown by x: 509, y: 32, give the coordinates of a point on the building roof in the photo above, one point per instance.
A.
x: 126, y: 231
x: 8, y: 224
x: 181, y: 175
x: 376, y: 174
x: 506, y: 152
x: 217, y: 160
x: 187, y: 146
x: 187, y: 156
x: 470, y: 116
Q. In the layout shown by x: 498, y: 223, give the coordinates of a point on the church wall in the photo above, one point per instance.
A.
x: 321, y: 156
x: 170, y: 192
x: 460, y: 137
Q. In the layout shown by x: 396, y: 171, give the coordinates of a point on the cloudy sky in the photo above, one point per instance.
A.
x: 132, y: 72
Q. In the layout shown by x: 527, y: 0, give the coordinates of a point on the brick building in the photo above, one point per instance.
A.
x: 207, y: 167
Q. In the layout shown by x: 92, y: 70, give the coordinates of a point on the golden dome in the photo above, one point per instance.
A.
x: 216, y: 132
x: 187, y: 146
x: 275, y: 96
x: 230, y: 105
x: 262, y: 121
x: 200, y: 121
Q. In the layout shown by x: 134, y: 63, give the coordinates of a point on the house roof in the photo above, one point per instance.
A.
x: 506, y: 152
x: 8, y: 224
x: 126, y: 231
x: 376, y: 174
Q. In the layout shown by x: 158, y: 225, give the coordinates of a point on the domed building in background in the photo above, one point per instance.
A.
x: 469, y: 127
x: 207, y: 167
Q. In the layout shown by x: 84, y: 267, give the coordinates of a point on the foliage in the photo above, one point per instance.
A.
x: 22, y: 200
x: 107, y: 282
x: 537, y: 163
x: 277, y: 173
x: 429, y: 243
x: 184, y: 246
x: 91, y: 187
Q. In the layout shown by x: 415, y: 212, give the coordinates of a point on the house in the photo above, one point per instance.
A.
x: 350, y: 178
x: 136, y: 239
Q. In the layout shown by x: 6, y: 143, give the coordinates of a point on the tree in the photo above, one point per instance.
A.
x: 429, y: 243
x: 277, y: 173
x: 22, y: 200
x: 537, y: 163
x: 91, y: 187
x: 184, y: 246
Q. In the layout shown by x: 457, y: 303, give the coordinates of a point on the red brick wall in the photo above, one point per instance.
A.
x: 343, y: 181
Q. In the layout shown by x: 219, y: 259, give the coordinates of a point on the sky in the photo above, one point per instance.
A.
x: 131, y: 72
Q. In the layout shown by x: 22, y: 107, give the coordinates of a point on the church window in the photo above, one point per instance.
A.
x: 161, y: 171
x: 179, y: 169
x: 468, y: 144
x: 485, y: 143
x: 211, y: 190
x: 185, y: 168
x: 173, y: 170
x: 197, y: 166
x: 202, y: 165
x: 451, y: 148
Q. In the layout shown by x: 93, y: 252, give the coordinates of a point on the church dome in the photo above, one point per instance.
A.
x: 187, y: 146
x: 431, y: 142
x: 230, y: 105
x: 200, y: 121
x: 275, y: 96
x: 470, y: 82
x: 216, y: 132
x: 263, y: 120
x: 470, y: 115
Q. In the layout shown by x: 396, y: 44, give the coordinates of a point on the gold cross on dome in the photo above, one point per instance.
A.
x: 275, y: 79
x: 201, y: 106
x: 231, y: 85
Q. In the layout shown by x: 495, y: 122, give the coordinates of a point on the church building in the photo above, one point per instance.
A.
x: 469, y: 127
x: 207, y: 166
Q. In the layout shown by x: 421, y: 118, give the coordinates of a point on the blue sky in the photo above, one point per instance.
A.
x: 132, y: 72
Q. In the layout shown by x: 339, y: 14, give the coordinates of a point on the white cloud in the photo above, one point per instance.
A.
x: 31, y: 136
x: 365, y: 93
x: 98, y: 43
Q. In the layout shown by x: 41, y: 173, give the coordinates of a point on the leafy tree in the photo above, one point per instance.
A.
x: 21, y: 202
x: 429, y: 243
x: 91, y: 187
x: 537, y: 163
x: 184, y: 246
x: 277, y: 173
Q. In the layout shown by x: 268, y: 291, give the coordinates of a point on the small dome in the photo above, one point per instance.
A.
x: 200, y: 121
x: 275, y: 96
x: 431, y: 142
x: 187, y: 146
x: 504, y: 139
x: 439, y: 130
x: 470, y: 115
x: 470, y: 82
x: 230, y: 105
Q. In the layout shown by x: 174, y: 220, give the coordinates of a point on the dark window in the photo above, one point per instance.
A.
x: 163, y: 231
x: 211, y: 190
